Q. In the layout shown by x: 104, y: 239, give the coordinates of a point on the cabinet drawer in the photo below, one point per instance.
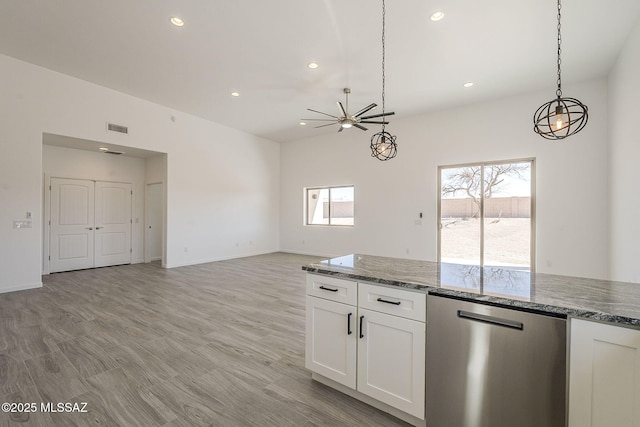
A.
x: 333, y: 289
x: 399, y: 302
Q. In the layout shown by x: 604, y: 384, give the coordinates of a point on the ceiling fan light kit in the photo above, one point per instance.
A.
x: 346, y: 120
x: 560, y: 117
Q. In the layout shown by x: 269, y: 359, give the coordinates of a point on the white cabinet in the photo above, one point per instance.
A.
x: 330, y: 341
x: 370, y: 339
x: 391, y: 361
x: 604, y: 377
x: 330, y: 347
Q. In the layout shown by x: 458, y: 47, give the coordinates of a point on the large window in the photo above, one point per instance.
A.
x: 486, y: 214
x: 329, y: 205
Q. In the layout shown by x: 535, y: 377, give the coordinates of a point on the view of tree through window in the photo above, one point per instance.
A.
x: 330, y: 206
x: 485, y: 214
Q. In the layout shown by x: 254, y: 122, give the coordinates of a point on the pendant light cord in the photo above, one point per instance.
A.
x: 559, y: 90
x: 383, y: 76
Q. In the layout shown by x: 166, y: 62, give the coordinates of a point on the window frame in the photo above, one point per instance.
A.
x: 532, y: 231
x: 329, y: 188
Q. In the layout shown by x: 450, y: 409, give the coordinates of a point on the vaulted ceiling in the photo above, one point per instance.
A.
x: 261, y: 49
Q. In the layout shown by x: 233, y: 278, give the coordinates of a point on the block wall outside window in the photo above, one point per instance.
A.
x: 330, y: 206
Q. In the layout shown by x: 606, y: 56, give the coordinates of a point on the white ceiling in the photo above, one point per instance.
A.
x: 261, y: 48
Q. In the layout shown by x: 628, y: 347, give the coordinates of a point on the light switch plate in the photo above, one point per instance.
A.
x: 21, y: 224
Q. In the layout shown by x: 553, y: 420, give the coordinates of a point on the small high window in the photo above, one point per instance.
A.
x: 329, y: 206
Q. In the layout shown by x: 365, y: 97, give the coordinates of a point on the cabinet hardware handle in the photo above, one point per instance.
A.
x: 388, y: 302
x: 490, y: 320
x: 98, y: 228
x: 361, y: 319
x: 328, y: 289
x: 349, y: 331
x: 89, y: 228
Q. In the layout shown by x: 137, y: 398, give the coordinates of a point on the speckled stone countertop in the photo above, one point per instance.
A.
x: 561, y: 296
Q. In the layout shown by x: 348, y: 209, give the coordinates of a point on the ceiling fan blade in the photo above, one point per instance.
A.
x: 373, y: 122
x: 365, y: 109
x: 321, y: 126
x: 359, y: 127
x: 378, y: 115
x: 344, y: 112
x: 316, y: 111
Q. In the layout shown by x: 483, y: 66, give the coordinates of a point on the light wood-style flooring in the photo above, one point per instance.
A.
x: 217, y: 344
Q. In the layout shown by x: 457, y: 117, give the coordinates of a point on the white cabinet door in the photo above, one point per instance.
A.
x: 72, y: 227
x: 391, y: 361
x: 604, y: 375
x: 113, y: 223
x: 331, y: 340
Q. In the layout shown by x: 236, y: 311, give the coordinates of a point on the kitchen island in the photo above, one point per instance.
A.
x: 565, y: 296
x: 600, y: 343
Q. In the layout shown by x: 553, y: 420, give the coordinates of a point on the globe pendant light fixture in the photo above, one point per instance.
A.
x: 560, y: 117
x: 383, y: 144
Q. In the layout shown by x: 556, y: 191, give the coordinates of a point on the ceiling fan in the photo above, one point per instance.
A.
x: 347, y: 120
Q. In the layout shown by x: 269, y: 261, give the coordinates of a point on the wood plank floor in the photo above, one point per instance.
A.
x: 218, y: 344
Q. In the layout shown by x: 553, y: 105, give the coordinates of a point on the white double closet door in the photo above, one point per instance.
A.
x: 90, y: 224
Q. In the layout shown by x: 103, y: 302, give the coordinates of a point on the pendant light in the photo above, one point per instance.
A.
x: 560, y: 117
x: 383, y: 144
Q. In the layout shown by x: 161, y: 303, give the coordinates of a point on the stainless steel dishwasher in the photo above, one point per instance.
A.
x: 493, y: 367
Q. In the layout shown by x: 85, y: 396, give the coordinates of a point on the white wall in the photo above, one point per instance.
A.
x: 222, y: 184
x: 62, y: 162
x: 624, y: 139
x: 389, y: 195
x: 156, y: 169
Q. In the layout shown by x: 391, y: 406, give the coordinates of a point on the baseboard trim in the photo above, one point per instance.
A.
x: 369, y: 400
x: 206, y: 261
x: 21, y: 287
x: 292, y: 251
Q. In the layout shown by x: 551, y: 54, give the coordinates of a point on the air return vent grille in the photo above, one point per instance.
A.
x: 117, y: 128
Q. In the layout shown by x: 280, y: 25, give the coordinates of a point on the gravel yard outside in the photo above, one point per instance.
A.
x: 507, y: 241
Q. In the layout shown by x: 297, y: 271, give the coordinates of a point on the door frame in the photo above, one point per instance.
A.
x: 46, y: 217
x: 147, y: 257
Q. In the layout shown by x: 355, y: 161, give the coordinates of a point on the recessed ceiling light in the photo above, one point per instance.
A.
x: 177, y: 21
x: 303, y: 124
x: 235, y: 94
x: 437, y: 16
x: 468, y: 84
x: 312, y: 65
x: 103, y: 149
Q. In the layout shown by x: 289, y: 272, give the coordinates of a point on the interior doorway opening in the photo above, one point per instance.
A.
x: 65, y: 157
x: 154, y: 222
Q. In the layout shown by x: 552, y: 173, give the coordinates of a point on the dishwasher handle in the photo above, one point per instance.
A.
x: 490, y: 320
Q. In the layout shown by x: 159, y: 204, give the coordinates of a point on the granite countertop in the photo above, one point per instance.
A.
x: 561, y: 296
